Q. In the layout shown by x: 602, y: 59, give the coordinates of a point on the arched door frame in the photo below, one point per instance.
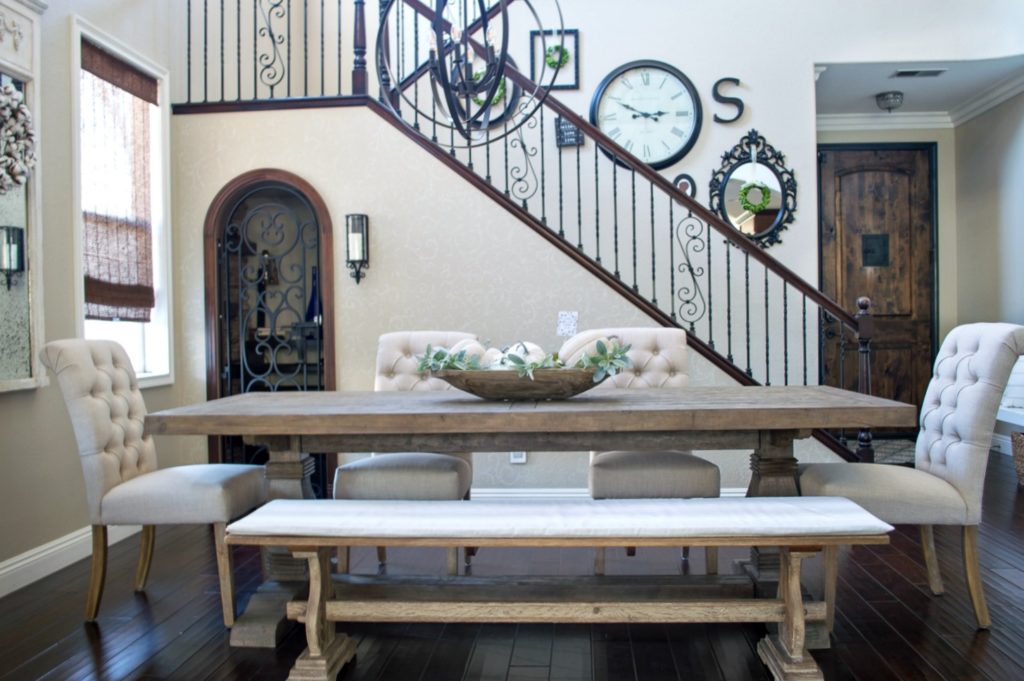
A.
x: 217, y: 216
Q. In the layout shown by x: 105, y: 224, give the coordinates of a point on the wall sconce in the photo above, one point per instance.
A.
x: 12, y: 252
x: 357, y: 231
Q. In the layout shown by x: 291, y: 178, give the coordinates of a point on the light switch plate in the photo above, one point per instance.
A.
x: 517, y: 457
x: 567, y: 323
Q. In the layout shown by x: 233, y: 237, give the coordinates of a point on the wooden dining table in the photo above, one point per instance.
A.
x: 764, y: 420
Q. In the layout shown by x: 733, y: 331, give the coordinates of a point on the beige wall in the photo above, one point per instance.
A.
x: 41, y: 496
x: 990, y: 240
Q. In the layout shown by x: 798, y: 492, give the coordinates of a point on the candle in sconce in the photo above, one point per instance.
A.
x: 355, y: 246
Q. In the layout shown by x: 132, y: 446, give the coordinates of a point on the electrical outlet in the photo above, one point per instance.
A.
x: 567, y: 323
x: 517, y: 457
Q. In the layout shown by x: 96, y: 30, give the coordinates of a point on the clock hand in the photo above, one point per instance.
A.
x: 637, y: 113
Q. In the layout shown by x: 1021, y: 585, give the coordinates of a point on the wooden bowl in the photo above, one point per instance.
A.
x: 497, y: 384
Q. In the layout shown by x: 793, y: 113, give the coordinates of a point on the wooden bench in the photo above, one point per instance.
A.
x: 798, y: 526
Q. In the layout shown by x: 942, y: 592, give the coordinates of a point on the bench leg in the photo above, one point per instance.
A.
x: 830, y: 557
x: 599, y: 560
x: 784, y: 653
x: 325, y: 652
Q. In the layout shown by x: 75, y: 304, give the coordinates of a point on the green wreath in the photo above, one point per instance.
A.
x: 556, y: 56
x: 499, y: 94
x: 766, y: 196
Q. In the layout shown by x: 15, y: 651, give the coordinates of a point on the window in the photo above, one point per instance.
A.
x: 123, y: 245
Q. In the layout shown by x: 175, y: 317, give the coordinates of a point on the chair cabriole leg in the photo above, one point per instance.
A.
x: 146, y: 543
x: 99, y: 572
x: 972, y: 570
x: 931, y: 562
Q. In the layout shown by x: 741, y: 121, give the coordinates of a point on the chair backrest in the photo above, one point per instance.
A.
x: 107, y: 412
x: 658, y: 355
x: 959, y: 410
x: 398, y: 360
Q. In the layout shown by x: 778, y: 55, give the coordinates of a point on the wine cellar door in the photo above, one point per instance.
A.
x: 270, y: 262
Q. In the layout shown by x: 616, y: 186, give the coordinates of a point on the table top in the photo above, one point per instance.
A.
x: 729, y: 408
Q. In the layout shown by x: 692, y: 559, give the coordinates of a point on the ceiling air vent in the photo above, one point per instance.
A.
x: 918, y: 73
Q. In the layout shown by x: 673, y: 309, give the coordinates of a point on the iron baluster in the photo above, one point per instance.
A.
x: 654, y: 268
x: 615, y: 220
x: 865, y: 331
x: 255, y: 60
x: 785, y: 333
x: 579, y: 203
x: 238, y: 50
x: 711, y: 308
x: 597, y: 209
x: 746, y: 295
x: 672, y: 227
x: 728, y: 302
x: 385, y: 78
x: 188, y: 50
x: 543, y: 176
x: 632, y: 173
x: 767, y: 335
x: 323, y: 47
x: 206, y: 51
x: 288, y: 39
x: 222, y: 97
x: 305, y: 48
x: 561, y: 196
x: 803, y: 317
x: 416, y: 83
x: 504, y: 142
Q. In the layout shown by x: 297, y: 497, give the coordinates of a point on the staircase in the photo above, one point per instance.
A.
x: 624, y: 222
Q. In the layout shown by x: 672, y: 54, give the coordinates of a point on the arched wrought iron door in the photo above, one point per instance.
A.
x: 269, y: 257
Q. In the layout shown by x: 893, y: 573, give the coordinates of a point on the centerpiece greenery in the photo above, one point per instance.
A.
x: 607, y: 359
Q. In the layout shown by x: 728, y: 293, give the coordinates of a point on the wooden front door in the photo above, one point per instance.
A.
x: 878, y: 240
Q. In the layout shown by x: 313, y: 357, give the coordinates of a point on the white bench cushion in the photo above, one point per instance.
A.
x: 729, y: 517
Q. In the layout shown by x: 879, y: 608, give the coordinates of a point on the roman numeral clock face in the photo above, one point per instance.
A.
x: 650, y: 109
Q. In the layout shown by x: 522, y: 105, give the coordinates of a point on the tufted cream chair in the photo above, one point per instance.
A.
x: 945, y: 485
x: 659, y: 360
x: 409, y: 475
x: 123, y: 485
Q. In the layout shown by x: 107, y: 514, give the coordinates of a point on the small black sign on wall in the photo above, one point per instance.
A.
x: 874, y: 250
x: 567, y: 134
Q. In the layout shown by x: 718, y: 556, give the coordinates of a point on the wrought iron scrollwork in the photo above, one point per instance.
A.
x: 690, y: 234
x: 272, y: 67
x: 525, y: 182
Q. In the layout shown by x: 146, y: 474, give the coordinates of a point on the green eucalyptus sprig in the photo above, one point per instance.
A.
x: 525, y: 368
x: 439, y: 358
x: 608, y: 359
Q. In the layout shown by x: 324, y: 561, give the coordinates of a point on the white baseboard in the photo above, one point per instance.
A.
x: 554, y: 493
x: 42, y: 561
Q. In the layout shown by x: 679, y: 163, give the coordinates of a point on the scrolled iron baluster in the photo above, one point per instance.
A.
x: 691, y: 303
x: 525, y: 182
x: 271, y: 71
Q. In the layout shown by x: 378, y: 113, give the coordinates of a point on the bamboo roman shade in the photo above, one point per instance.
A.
x: 117, y: 104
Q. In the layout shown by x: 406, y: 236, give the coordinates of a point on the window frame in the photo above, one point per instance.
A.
x: 158, y: 332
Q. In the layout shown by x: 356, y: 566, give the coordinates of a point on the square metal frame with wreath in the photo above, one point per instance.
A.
x: 568, y: 77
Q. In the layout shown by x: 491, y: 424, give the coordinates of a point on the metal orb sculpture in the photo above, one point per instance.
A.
x: 477, y: 95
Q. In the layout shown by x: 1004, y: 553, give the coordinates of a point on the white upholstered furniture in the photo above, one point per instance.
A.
x: 409, y: 475
x: 658, y: 358
x: 122, y: 482
x: 945, y: 485
x: 799, y: 526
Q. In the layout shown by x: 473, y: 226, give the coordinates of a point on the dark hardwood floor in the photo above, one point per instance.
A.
x: 888, y: 626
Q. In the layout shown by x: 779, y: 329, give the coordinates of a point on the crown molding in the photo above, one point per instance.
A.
x: 38, y: 6
x: 989, y: 99
x: 884, y: 121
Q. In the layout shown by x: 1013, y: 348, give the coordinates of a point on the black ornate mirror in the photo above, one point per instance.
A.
x: 754, y: 191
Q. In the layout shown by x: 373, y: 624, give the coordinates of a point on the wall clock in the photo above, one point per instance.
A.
x: 650, y: 109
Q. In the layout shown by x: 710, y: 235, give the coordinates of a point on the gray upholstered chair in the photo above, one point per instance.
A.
x: 409, y: 475
x: 122, y: 482
x: 945, y: 485
x: 659, y: 360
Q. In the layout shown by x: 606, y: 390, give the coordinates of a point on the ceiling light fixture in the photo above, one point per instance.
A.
x: 890, y: 100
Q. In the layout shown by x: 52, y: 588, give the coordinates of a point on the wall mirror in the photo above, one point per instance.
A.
x: 21, y: 330
x: 754, y: 191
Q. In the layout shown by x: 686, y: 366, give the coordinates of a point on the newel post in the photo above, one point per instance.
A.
x: 359, y: 49
x: 865, y: 330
